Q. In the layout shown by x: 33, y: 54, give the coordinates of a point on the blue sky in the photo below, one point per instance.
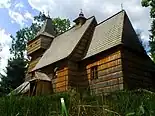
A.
x: 16, y: 14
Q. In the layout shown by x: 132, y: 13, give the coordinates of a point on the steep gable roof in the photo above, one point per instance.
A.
x: 111, y: 32
x: 63, y: 45
x: 107, y: 34
x: 46, y: 30
x: 114, y: 31
x: 130, y: 38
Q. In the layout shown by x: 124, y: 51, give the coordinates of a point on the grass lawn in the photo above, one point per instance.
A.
x: 122, y: 103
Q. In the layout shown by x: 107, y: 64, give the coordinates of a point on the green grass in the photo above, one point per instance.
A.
x: 123, y: 103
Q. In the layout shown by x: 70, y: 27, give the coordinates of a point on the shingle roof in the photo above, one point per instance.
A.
x: 63, y: 45
x: 47, y: 29
x: 23, y: 88
x: 114, y: 31
x: 111, y: 32
x: 107, y: 34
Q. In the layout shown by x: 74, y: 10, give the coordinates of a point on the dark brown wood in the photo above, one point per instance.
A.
x: 39, y: 43
x: 83, y: 45
x: 33, y: 46
x: 109, y: 72
x: 138, y: 70
x: 115, y: 69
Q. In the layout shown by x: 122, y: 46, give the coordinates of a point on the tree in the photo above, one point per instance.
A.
x: 151, y: 4
x: 15, y: 72
x: 61, y: 25
x: 17, y: 64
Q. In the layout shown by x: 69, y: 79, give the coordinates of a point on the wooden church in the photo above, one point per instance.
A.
x: 100, y: 57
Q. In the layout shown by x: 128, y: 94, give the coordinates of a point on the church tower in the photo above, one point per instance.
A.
x: 37, y: 46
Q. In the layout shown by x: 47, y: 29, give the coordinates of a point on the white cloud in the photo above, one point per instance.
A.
x: 16, y: 11
x: 17, y: 17
x: 5, y: 41
x: 20, y: 18
x: 27, y: 15
x: 100, y: 8
x: 5, y: 3
x: 19, y: 5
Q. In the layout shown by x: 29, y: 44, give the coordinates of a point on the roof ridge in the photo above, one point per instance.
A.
x: 67, y: 41
x: 107, y: 35
x: 90, y: 17
x: 110, y: 17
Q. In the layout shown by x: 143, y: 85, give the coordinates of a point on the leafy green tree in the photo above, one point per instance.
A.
x: 15, y: 72
x: 17, y: 64
x: 61, y: 25
x: 151, y: 4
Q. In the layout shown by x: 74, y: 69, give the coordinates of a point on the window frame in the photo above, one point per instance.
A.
x: 94, y: 72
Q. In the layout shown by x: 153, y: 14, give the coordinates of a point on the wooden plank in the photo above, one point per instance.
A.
x: 137, y: 70
x: 78, y: 51
x: 107, y: 89
x: 110, y: 82
x: 62, y: 89
x: 84, y: 40
x: 34, y: 42
x: 33, y: 64
x: 46, y: 42
x: 33, y: 49
x: 81, y: 47
x: 60, y: 84
x: 34, y: 46
x: 105, y: 60
x: 61, y: 80
x: 79, y: 84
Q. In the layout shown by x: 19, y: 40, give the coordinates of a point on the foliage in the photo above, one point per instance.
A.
x: 123, y: 103
x: 151, y: 4
x: 61, y: 25
x: 15, y: 71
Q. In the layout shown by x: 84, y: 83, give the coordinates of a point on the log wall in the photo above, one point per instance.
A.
x: 35, y: 50
x: 75, y: 79
x: 60, y: 77
x: 43, y: 88
x: 42, y: 42
x: 33, y: 63
x: 110, y: 75
x: 61, y: 81
x: 138, y: 70
x: 34, y: 46
x: 46, y: 42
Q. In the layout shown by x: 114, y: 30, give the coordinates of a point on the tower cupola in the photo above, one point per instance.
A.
x: 81, y: 19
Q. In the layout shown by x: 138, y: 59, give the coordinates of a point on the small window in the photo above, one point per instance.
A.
x: 55, y: 73
x: 94, y: 73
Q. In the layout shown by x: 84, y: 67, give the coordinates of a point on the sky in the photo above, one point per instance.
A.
x: 17, y: 14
